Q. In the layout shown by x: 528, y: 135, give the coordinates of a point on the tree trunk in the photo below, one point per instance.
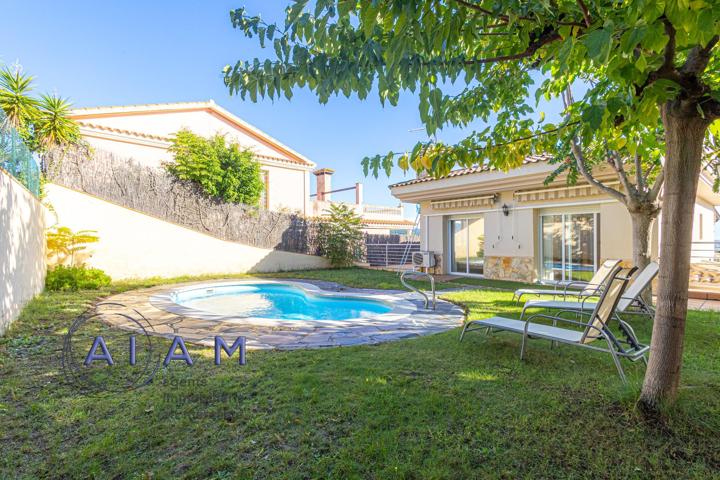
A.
x: 684, y: 137
x: 641, y: 226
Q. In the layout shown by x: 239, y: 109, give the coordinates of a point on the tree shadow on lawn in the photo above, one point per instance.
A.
x: 425, y: 407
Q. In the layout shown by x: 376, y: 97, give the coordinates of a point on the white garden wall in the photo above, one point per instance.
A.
x: 135, y: 245
x: 22, y: 248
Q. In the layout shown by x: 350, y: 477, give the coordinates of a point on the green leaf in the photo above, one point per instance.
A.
x: 593, y: 116
x: 598, y: 44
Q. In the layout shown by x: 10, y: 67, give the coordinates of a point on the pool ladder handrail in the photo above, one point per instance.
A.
x: 410, y: 287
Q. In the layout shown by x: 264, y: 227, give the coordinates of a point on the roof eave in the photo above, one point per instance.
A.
x: 209, y: 105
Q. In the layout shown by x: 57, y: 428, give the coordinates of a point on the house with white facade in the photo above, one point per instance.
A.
x: 509, y: 225
x: 144, y: 133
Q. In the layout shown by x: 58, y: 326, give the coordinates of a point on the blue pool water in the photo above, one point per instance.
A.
x: 276, y: 301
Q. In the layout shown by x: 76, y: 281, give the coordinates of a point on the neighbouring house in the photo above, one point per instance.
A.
x: 377, y: 219
x: 510, y: 225
x: 143, y: 133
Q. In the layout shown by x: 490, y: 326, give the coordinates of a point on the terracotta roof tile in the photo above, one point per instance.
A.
x: 160, y: 138
x: 467, y: 171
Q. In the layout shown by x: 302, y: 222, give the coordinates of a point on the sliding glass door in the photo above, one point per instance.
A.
x: 467, y: 245
x: 569, y: 245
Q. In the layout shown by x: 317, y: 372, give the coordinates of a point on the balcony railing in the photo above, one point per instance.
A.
x: 705, y: 252
x: 364, y: 210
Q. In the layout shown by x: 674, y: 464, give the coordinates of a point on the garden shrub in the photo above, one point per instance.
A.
x: 73, y: 278
x: 340, y: 236
x: 222, y: 171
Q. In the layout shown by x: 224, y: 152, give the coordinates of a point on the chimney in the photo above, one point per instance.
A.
x: 324, y: 183
x: 359, y: 193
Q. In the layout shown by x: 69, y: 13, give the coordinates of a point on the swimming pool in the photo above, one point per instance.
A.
x: 284, y: 314
x: 276, y: 301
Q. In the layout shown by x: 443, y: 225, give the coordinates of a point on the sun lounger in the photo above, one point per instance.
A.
x: 630, y: 302
x: 575, y: 288
x: 593, y: 328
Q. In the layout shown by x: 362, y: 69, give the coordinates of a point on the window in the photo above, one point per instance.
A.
x: 264, y: 197
x: 569, y: 246
x: 467, y: 245
x: 700, y: 225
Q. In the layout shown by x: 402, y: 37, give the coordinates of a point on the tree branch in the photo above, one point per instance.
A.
x: 580, y: 157
x: 638, y: 173
x: 655, y: 190
x: 617, y: 165
x: 506, y: 18
x: 669, y: 55
x: 711, y: 108
x: 544, y: 39
x: 698, y: 58
x: 485, y: 11
x: 667, y: 70
x: 582, y: 168
x: 585, y: 12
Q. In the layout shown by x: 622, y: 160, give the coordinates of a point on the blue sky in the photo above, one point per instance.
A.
x: 124, y: 52
x: 114, y: 52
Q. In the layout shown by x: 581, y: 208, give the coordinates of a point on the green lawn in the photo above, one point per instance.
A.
x: 423, y: 408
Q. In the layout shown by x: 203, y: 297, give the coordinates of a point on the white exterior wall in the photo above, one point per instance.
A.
x: 165, y: 124
x: 510, y: 236
x: 518, y: 236
x: 287, y: 189
x: 151, y: 154
x: 615, y: 232
x: 512, y: 243
x: 22, y: 248
x: 134, y: 245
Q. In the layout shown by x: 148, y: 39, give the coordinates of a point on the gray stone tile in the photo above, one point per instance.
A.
x: 367, y: 331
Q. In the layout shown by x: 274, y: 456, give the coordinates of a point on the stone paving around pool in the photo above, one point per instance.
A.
x: 291, y: 336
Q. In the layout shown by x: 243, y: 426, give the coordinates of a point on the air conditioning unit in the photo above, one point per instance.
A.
x: 423, y: 259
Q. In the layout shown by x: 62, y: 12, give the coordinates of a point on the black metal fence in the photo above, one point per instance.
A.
x: 389, y: 250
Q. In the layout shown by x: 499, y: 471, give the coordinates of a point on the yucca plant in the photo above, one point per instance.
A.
x: 44, y: 123
x: 53, y: 126
x: 20, y: 108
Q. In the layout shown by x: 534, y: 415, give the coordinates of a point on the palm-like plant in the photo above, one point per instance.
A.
x: 53, y: 127
x: 20, y: 108
x: 63, y: 243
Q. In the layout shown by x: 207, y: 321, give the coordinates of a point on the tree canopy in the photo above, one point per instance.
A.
x: 505, y: 55
x: 647, y: 69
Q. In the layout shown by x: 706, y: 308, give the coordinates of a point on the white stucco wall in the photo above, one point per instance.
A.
x: 151, y: 154
x: 287, y: 189
x: 509, y: 236
x: 165, y: 124
x: 134, y: 245
x: 22, y: 248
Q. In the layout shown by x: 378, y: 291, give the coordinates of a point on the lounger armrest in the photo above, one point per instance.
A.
x: 575, y: 285
x: 574, y: 312
x: 585, y: 299
x: 561, y: 319
x: 590, y: 292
